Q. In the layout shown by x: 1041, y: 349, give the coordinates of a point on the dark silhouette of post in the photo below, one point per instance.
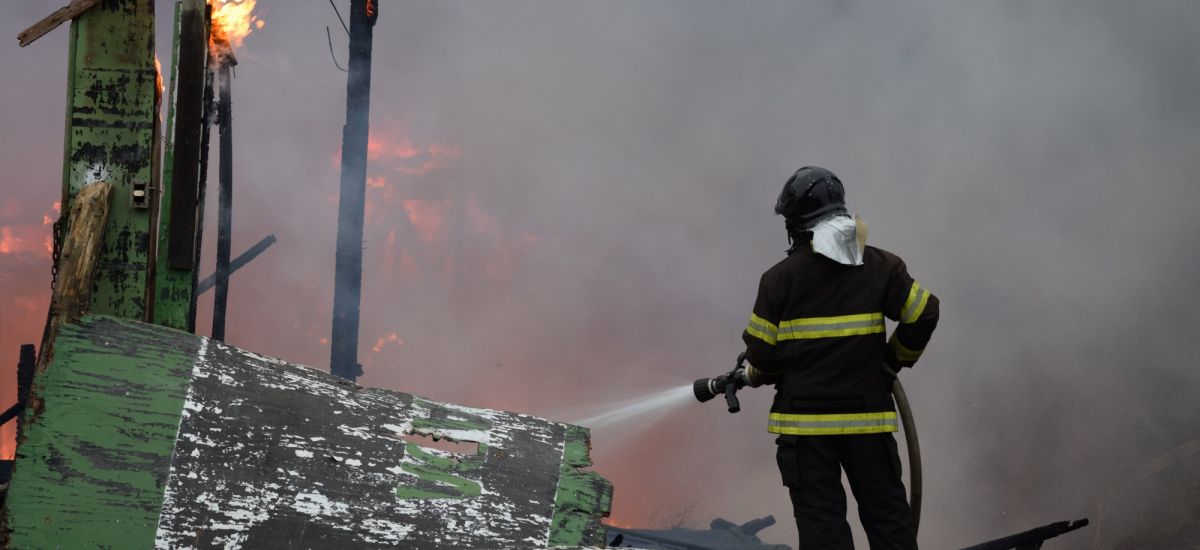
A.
x: 225, y: 201
x: 347, y: 279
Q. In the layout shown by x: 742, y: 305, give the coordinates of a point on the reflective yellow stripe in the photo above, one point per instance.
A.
x: 914, y: 305
x: 832, y: 424
x: 762, y: 329
x: 831, y: 327
x: 902, y: 352
x: 809, y: 321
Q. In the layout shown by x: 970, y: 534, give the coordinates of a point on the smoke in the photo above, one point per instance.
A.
x: 599, y: 229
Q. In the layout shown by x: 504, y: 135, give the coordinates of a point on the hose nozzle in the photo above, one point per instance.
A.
x: 705, y: 389
x: 728, y: 384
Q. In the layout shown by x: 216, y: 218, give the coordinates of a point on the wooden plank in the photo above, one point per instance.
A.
x: 81, y: 251
x: 52, y: 21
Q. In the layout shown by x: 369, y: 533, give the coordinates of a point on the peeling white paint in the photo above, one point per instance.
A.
x: 255, y: 448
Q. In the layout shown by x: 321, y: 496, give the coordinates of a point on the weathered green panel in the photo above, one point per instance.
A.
x: 152, y: 436
x: 94, y: 466
x: 173, y: 287
x: 583, y: 496
x: 110, y: 134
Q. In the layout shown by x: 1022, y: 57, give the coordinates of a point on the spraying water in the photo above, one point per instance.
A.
x: 658, y: 403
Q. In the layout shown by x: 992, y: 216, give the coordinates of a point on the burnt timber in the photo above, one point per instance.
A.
x: 224, y: 198
x: 152, y: 436
x: 721, y: 535
x: 347, y: 277
x: 237, y: 263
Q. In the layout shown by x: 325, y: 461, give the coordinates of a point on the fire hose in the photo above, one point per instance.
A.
x: 729, y: 383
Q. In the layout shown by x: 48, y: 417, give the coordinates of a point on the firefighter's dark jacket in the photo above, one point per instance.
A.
x: 817, y: 331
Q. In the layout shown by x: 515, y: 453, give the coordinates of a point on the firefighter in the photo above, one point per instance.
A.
x: 817, y: 334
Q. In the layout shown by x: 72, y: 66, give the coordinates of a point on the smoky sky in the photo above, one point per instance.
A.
x: 571, y: 206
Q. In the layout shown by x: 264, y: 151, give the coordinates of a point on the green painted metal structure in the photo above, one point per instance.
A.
x: 173, y: 287
x: 110, y: 136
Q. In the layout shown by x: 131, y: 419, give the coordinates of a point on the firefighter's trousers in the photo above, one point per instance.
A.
x: 812, y: 470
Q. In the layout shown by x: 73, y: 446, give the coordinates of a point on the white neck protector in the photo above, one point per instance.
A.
x: 840, y: 239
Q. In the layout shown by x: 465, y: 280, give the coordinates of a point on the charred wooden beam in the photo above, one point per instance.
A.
x: 225, y: 202
x: 237, y: 263
x: 201, y: 192
x: 347, y: 280
x: 25, y: 367
x: 190, y: 139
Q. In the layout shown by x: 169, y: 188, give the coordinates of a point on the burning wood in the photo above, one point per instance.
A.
x: 232, y: 22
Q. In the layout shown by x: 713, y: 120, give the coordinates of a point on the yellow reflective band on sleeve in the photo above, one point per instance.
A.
x: 762, y: 329
x: 902, y: 352
x: 915, y: 304
x: 831, y: 327
x: 832, y: 424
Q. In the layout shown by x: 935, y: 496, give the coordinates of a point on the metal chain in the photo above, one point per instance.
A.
x: 57, y: 252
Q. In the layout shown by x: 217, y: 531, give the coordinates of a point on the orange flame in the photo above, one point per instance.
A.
x: 232, y: 22
x: 427, y: 216
x: 8, y: 243
x: 26, y: 239
x: 403, y: 155
x: 384, y: 340
x: 158, y: 79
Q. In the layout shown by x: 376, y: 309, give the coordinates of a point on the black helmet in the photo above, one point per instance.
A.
x: 811, y: 195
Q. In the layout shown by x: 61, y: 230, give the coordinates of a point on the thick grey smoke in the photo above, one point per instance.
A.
x: 583, y: 206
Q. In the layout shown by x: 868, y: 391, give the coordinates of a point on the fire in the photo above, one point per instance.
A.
x: 8, y: 243
x: 427, y: 216
x: 232, y: 22
x: 384, y: 340
x: 37, y: 240
x: 397, y: 151
x: 26, y: 239
x: 158, y: 79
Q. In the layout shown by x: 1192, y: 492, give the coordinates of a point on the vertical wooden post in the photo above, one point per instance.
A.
x: 225, y: 203
x: 347, y: 278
